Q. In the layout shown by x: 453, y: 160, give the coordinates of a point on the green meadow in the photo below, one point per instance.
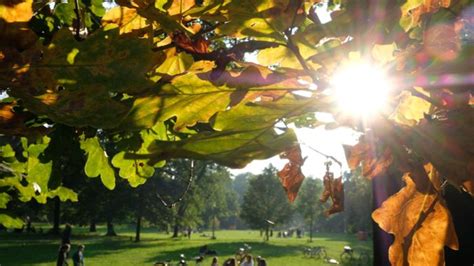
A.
x: 38, y: 249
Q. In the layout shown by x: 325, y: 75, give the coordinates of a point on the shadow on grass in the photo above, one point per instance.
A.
x: 27, y: 249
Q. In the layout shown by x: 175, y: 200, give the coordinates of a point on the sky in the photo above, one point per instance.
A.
x: 326, y: 141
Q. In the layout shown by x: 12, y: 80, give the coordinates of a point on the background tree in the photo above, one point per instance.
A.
x: 264, y: 201
x: 357, y: 206
x: 220, y: 201
x: 308, y: 204
x: 240, y: 185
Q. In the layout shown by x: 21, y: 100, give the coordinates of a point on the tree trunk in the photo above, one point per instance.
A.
x: 92, y: 227
x: 266, y: 233
x: 213, y: 228
x: 311, y: 229
x: 137, y: 232
x: 178, y: 218
x: 56, y: 216
x: 139, y: 215
x: 110, y: 228
x: 175, y: 230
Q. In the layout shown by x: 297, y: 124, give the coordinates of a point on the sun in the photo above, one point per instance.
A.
x: 360, y: 89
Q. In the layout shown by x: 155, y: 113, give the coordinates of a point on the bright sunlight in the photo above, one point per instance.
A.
x: 361, y: 89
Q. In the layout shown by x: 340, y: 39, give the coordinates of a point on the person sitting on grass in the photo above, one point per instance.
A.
x: 248, y: 261
x: 78, y: 257
x: 214, y: 262
x: 63, y: 255
x: 261, y: 262
x: 230, y: 262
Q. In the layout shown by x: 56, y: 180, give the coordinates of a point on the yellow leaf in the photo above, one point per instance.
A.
x: 14, y: 29
x: 410, y: 110
x: 421, y: 224
x: 125, y: 18
x: 16, y: 11
x: 180, y: 6
x: 384, y: 53
x: 175, y: 63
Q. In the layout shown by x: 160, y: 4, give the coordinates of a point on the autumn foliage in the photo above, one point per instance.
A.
x: 214, y: 80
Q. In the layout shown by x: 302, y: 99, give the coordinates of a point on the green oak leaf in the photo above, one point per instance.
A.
x: 68, y: 72
x: 64, y: 194
x: 231, y: 148
x: 7, y: 152
x: 105, y: 58
x: 76, y: 108
x: 263, y: 20
x: 97, y: 8
x: 188, y: 98
x: 10, y: 222
x: 195, y: 97
x: 25, y: 192
x: 4, y: 199
x: 65, y: 12
x: 98, y: 162
x: 136, y: 171
x: 259, y: 115
x: 38, y: 172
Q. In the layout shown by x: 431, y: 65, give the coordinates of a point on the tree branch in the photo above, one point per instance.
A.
x: 78, y: 20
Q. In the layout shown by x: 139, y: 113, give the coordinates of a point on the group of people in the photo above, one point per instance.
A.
x: 246, y: 261
x: 289, y: 233
x: 77, y: 257
x: 65, y: 248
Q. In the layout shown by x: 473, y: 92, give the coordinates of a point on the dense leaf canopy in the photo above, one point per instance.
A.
x: 142, y: 81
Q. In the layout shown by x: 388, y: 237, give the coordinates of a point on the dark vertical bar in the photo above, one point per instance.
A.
x: 382, y: 188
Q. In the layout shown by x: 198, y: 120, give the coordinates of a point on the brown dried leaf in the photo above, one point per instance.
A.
x: 373, y: 162
x: 413, y: 10
x: 327, y: 182
x: 421, y: 224
x: 337, y: 197
x: 12, y: 123
x: 199, y: 46
x: 448, y: 145
x: 291, y: 176
x: 334, y: 189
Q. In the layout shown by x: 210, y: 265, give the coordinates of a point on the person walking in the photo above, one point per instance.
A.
x: 78, y: 257
x: 63, y: 255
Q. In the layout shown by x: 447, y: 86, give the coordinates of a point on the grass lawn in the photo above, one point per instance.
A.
x: 36, y: 249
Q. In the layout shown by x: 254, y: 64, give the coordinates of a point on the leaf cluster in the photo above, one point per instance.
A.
x: 134, y: 85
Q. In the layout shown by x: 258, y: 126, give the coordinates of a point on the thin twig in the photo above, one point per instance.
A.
x: 293, y: 48
x: 188, y: 186
x: 323, y: 154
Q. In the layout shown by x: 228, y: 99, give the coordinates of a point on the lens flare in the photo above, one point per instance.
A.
x: 360, y: 89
